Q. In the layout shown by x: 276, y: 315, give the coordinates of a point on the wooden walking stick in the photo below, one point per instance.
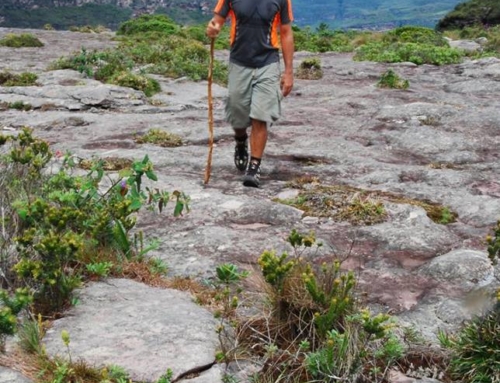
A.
x: 210, y: 114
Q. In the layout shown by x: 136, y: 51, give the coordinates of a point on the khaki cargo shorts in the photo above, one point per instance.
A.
x: 253, y: 94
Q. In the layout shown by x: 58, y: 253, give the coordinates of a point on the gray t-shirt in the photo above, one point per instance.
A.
x: 254, y: 29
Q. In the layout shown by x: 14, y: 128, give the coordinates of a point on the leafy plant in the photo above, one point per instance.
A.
x: 21, y: 41
x: 391, y: 80
x: 99, y: 269
x: 11, y: 305
x: 227, y: 285
x: 70, y: 225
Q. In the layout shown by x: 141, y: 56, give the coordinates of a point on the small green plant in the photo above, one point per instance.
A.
x: 310, y: 69
x: 21, y: 41
x: 148, y: 85
x: 159, y: 137
x: 20, y: 105
x: 22, y: 79
x: 30, y: 334
x: 228, y: 289
x: 99, y: 269
x: 48, y: 27
x: 157, y: 266
x: 391, y: 80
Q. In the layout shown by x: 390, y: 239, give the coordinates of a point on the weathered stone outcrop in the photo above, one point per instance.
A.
x: 436, y: 142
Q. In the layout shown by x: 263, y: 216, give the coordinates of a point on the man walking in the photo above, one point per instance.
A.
x: 255, y: 83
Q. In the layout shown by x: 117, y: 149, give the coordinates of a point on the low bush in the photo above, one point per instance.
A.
x: 390, y: 79
x: 414, y: 34
x: 24, y: 40
x: 144, y: 24
x: 310, y: 69
x: 408, y: 52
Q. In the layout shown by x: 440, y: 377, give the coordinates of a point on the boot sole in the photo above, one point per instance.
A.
x: 251, y: 182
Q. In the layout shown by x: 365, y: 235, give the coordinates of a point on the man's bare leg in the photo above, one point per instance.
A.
x: 258, y: 139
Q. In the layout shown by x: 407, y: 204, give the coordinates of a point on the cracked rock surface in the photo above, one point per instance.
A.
x: 437, y: 141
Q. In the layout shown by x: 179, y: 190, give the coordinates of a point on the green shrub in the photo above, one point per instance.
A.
x: 148, y: 85
x: 316, y: 328
x: 414, y: 34
x: 310, y: 69
x: 408, y: 52
x: 391, y: 80
x: 68, y: 221
x: 23, y: 40
x: 149, y: 23
x: 20, y: 105
x: 22, y: 79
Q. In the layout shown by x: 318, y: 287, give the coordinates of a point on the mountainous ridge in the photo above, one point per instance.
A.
x: 375, y: 14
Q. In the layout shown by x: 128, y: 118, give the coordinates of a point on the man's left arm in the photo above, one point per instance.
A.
x: 287, y: 47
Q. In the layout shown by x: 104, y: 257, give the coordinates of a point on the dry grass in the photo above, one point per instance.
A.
x: 357, y: 206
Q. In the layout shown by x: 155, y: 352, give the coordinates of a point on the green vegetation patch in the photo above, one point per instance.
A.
x: 475, y: 349
x: 88, y: 29
x: 22, y: 79
x: 20, y: 105
x: 150, y: 43
x: 310, y: 69
x: 344, y: 203
x: 24, y: 40
x: 149, y: 23
x: 159, y: 137
x: 391, y: 80
x: 410, y: 44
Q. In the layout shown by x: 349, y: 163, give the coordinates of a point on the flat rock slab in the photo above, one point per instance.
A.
x: 146, y: 330
x: 10, y: 376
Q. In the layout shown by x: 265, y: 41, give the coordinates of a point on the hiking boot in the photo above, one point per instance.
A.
x: 241, y: 155
x: 252, y: 176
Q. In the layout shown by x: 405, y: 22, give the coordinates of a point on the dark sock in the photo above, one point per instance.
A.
x: 255, y: 160
x: 240, y: 140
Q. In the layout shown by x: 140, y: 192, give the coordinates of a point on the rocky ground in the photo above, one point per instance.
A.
x: 437, y: 141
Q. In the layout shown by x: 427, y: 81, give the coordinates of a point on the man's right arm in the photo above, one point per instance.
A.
x: 215, y: 25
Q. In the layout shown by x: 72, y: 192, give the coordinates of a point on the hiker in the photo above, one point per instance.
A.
x: 255, y: 83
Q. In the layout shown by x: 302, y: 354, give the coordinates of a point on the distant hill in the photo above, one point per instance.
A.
x: 474, y: 12
x: 372, y: 14
x: 366, y: 14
